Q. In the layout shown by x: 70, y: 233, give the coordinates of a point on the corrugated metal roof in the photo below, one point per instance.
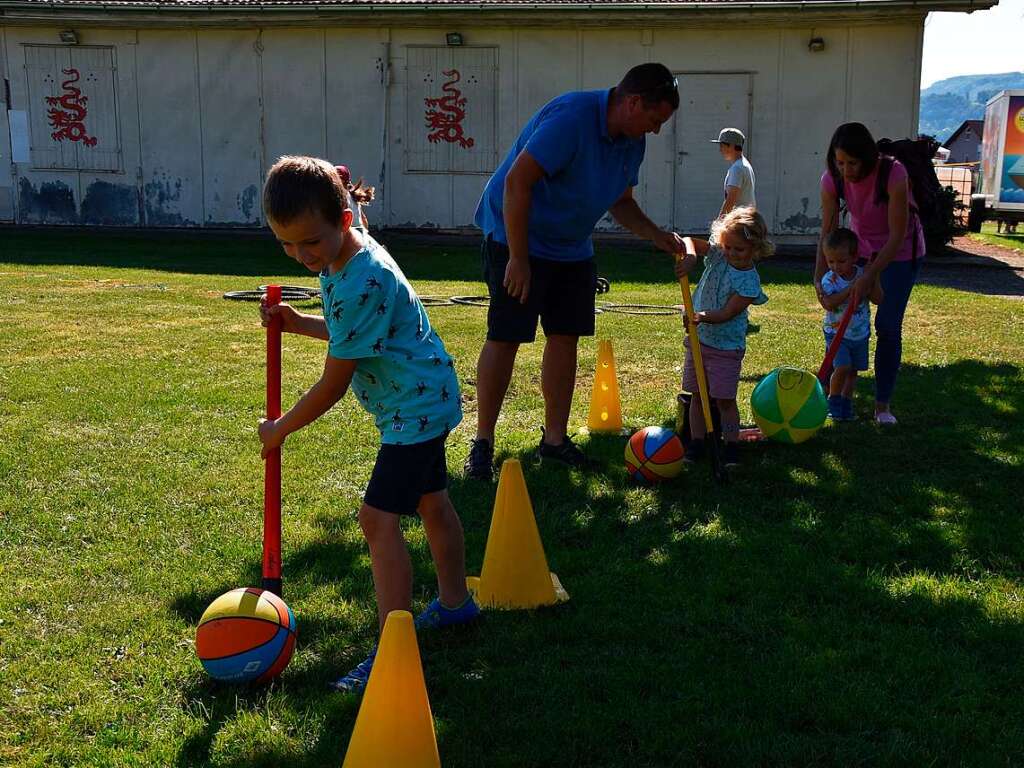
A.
x: 193, y: 10
x: 184, y: 5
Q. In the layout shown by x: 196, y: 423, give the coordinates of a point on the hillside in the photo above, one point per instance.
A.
x: 947, y: 103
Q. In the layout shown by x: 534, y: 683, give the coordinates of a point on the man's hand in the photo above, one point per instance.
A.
x: 862, y: 286
x: 270, y: 436
x: 517, y: 279
x: 685, y: 265
x: 290, y: 319
x: 669, y: 242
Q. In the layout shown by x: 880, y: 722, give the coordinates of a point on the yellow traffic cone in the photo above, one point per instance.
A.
x: 515, y: 572
x: 605, y: 409
x: 394, y: 726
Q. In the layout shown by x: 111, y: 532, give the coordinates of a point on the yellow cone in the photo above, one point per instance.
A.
x: 394, y: 726
x: 515, y: 572
x: 605, y: 409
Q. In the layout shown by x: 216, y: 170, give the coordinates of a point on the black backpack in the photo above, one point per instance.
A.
x: 916, y: 156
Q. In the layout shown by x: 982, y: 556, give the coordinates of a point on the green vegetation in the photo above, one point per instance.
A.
x: 854, y: 600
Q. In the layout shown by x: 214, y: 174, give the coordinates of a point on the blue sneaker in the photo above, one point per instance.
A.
x: 437, y: 616
x: 835, y: 407
x: 356, y: 680
x: 848, y: 414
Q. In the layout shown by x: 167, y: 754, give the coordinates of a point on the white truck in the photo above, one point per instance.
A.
x: 1002, y: 163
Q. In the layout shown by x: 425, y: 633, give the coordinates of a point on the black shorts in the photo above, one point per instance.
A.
x: 561, y: 295
x: 405, y: 473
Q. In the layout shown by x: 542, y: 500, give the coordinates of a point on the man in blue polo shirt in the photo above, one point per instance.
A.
x: 575, y: 160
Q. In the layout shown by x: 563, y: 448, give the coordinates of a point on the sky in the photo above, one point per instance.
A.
x: 979, y: 43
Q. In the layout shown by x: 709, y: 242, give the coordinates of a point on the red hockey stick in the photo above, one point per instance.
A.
x: 272, y: 469
x: 825, y: 372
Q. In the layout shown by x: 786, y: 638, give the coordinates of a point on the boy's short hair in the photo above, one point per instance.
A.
x: 843, y: 239
x: 298, y: 185
x: 653, y: 82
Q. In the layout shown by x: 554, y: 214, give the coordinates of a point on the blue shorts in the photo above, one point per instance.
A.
x: 851, y: 354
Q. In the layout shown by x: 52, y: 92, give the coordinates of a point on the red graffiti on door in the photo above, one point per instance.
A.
x: 445, y: 119
x: 68, y: 112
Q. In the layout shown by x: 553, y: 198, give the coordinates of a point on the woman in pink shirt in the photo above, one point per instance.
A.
x: 876, y: 193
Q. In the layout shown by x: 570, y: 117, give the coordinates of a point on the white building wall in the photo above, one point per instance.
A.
x: 229, y: 99
x: 201, y: 114
x: 354, y: 95
x: 6, y: 161
x: 171, y: 128
x: 66, y: 195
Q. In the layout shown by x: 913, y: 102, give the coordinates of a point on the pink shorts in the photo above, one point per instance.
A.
x: 722, y: 368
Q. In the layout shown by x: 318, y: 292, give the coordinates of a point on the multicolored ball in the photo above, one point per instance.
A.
x: 789, y: 405
x: 654, y: 454
x: 246, y: 635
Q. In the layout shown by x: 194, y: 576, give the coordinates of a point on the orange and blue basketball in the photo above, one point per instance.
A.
x: 654, y: 454
x: 246, y: 635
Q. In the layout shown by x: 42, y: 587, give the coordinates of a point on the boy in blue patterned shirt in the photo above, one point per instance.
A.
x: 841, y: 248
x: 380, y: 343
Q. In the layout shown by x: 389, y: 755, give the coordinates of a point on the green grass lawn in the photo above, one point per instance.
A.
x: 855, y: 600
x: 988, y: 235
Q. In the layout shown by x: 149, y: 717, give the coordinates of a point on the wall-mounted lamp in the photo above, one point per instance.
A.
x: 453, y: 38
x: 69, y: 36
x: 816, y: 45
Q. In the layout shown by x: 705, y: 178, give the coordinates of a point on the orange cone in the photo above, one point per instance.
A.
x: 395, y: 726
x: 515, y: 572
x: 605, y: 408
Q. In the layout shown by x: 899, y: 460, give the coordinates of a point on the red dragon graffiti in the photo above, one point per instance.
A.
x: 68, y: 113
x: 445, y: 119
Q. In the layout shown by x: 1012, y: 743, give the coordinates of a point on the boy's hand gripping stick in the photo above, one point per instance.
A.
x: 825, y: 372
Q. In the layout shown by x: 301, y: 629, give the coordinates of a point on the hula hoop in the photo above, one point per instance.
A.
x: 640, y: 309
x: 485, y: 301
x: 297, y: 289
x: 286, y: 295
x: 472, y: 301
x: 436, y: 301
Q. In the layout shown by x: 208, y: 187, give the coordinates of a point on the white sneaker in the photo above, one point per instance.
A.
x: 885, y: 418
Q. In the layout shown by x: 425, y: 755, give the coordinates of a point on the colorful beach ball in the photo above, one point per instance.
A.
x: 654, y: 454
x: 246, y: 635
x: 789, y: 405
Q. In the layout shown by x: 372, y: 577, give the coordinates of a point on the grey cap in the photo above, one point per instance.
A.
x: 732, y: 136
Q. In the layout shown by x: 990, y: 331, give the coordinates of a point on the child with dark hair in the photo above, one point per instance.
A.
x: 840, y: 248
x: 379, y: 342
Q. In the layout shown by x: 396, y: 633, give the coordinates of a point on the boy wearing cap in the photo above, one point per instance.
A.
x: 739, y: 179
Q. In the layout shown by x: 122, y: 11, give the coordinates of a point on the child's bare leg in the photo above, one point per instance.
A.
x: 730, y: 419
x: 389, y: 560
x: 837, y: 384
x: 447, y: 547
x: 850, y: 384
